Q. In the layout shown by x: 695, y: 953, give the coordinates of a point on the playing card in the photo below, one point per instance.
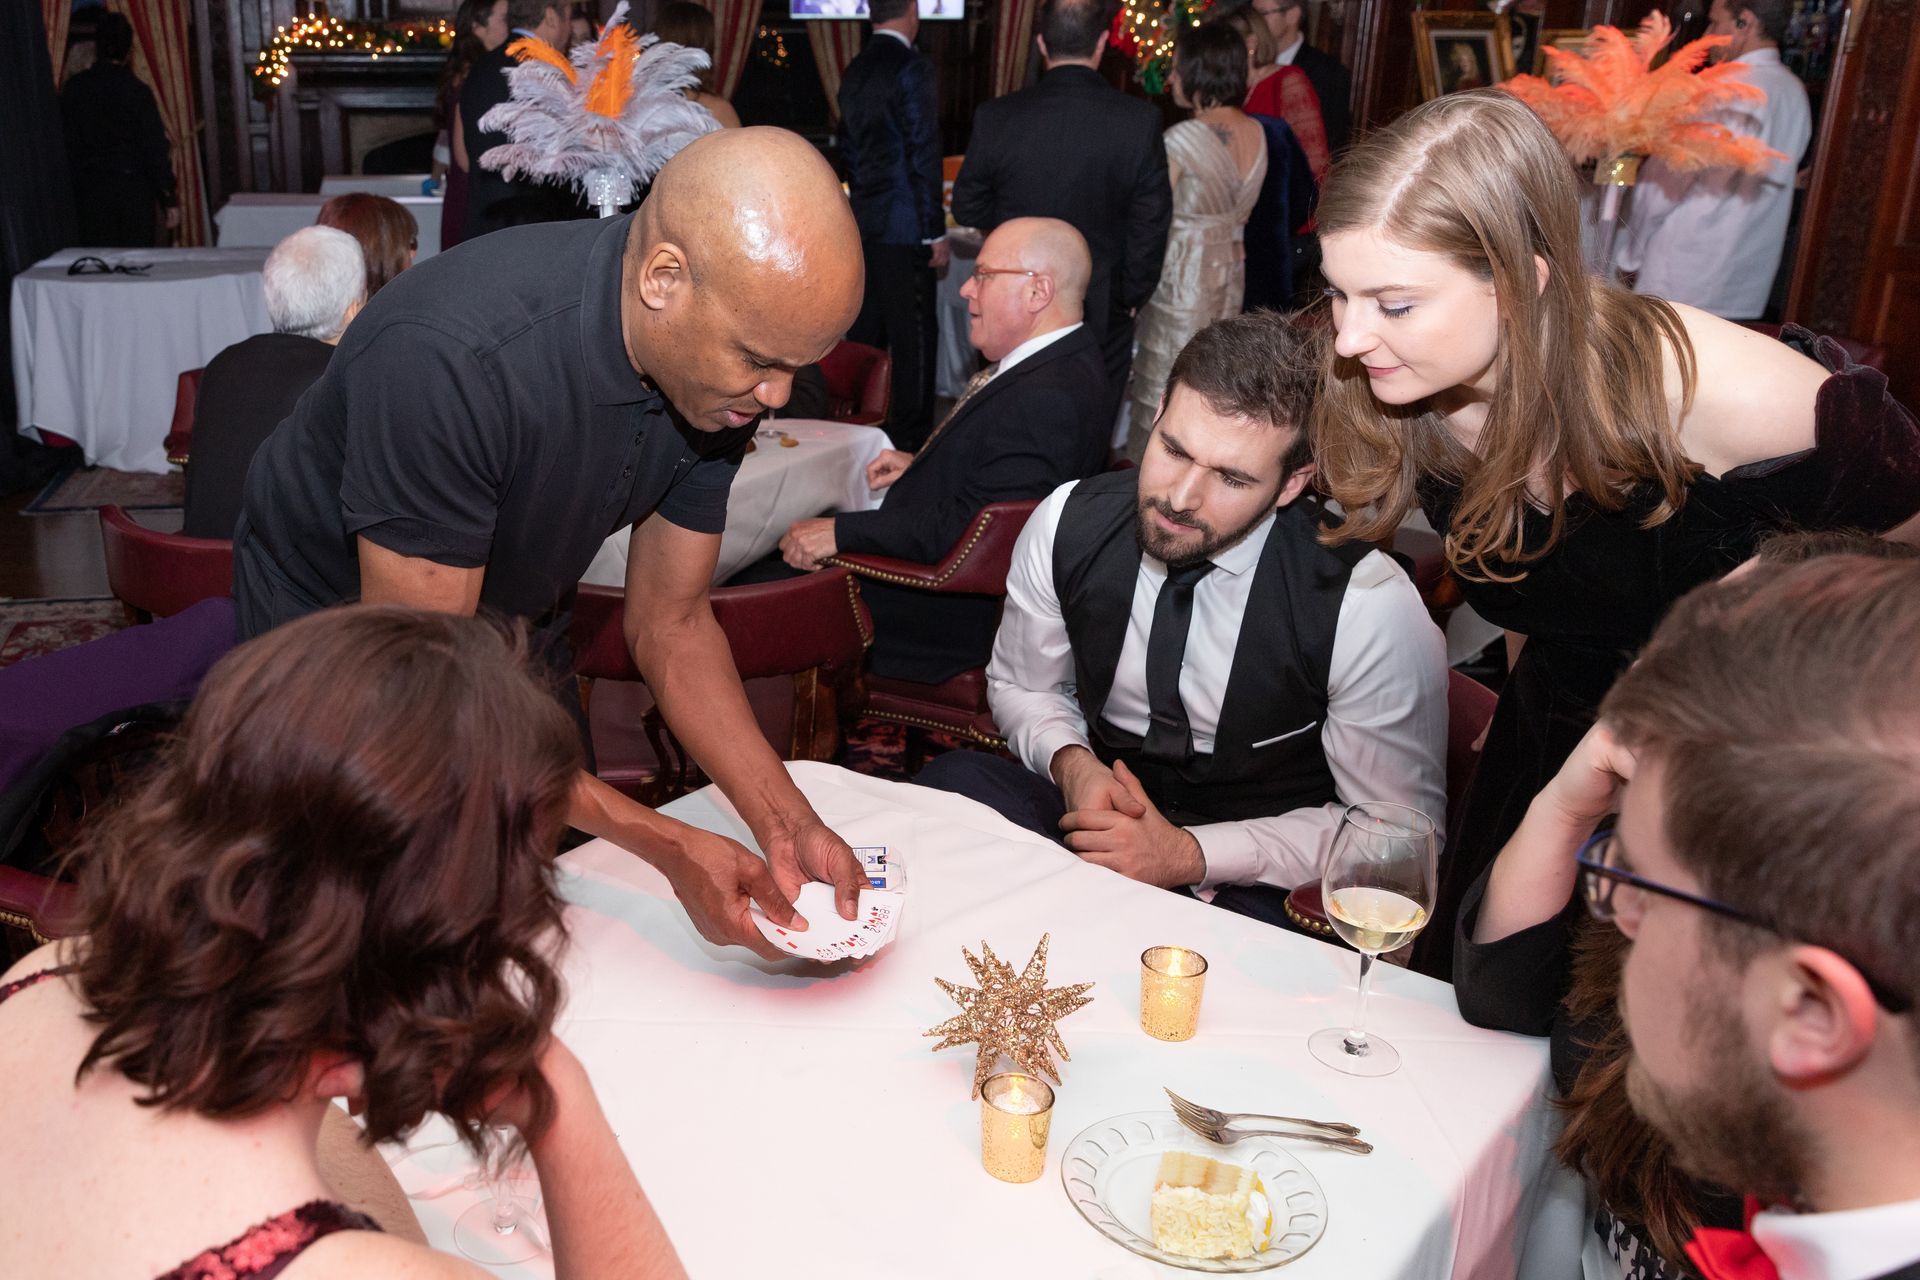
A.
x: 828, y: 937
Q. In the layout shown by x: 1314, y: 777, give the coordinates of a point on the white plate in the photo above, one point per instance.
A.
x: 1110, y: 1168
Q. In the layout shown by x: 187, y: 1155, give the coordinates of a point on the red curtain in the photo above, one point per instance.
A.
x: 163, y: 57
x: 57, y: 14
x: 735, y: 24
x: 1012, y: 43
x: 834, y: 45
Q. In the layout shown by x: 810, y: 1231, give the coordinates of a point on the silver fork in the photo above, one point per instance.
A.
x: 1220, y: 1119
x: 1226, y: 1135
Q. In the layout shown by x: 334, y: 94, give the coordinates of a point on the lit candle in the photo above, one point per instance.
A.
x: 1016, y: 1111
x: 1172, y: 980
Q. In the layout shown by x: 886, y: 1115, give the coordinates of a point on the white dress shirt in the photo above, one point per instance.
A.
x: 1034, y: 344
x: 1851, y: 1244
x: 1385, y: 735
x: 1712, y: 239
x: 1285, y: 59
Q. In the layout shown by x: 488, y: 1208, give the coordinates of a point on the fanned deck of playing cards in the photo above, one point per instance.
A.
x: 828, y: 937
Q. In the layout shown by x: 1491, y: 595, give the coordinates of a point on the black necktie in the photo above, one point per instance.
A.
x: 1169, y: 735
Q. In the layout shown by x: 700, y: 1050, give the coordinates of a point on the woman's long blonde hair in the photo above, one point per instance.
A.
x: 1580, y: 402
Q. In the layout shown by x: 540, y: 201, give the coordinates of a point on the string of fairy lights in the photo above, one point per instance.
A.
x: 319, y: 32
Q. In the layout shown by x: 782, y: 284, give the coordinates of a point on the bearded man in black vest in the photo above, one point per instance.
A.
x: 1194, y: 685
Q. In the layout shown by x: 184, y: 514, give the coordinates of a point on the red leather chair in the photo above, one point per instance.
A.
x: 1869, y: 354
x: 1470, y: 707
x: 186, y: 395
x: 155, y: 574
x: 977, y: 565
x: 859, y: 383
x: 38, y: 906
x: 796, y: 643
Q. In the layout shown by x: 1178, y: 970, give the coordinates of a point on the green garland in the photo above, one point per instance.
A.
x: 319, y: 32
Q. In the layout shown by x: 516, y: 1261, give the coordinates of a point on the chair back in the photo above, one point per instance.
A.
x: 976, y: 565
x: 159, y: 574
x: 859, y: 382
x: 186, y: 396
x: 1470, y: 707
x: 796, y: 643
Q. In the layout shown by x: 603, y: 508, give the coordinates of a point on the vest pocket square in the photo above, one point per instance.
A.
x: 1282, y: 737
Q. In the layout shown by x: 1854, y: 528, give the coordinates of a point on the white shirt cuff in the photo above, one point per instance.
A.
x: 1231, y: 855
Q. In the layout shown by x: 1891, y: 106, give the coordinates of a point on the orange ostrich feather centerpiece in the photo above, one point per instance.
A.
x: 1612, y: 102
x: 540, y: 51
x: 612, y: 87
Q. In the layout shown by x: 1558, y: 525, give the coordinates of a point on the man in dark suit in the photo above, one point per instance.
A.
x: 1075, y: 148
x: 1031, y: 421
x: 494, y: 202
x: 1331, y: 79
x: 890, y: 136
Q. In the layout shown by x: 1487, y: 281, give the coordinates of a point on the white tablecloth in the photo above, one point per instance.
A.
x: 265, y: 218
x: 98, y: 358
x: 378, y: 184
x: 715, y: 1067
x: 826, y: 471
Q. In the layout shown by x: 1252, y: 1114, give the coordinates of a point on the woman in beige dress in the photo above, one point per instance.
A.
x: 1217, y: 161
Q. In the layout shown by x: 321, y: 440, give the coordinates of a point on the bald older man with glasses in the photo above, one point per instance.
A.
x: 1033, y: 419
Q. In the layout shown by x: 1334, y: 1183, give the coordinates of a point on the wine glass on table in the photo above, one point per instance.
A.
x: 1378, y: 889
x: 501, y: 1229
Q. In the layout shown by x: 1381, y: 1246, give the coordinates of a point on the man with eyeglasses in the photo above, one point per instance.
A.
x: 1032, y: 420
x: 1764, y: 760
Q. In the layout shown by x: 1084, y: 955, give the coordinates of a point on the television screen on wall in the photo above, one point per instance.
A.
x: 929, y: 9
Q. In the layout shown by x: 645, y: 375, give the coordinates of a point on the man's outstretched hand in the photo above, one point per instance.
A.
x: 717, y: 881
x: 809, y: 851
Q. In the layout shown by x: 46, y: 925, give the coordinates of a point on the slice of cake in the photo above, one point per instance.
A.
x: 1203, y: 1208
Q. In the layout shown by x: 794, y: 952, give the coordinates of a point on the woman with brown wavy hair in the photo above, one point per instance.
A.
x: 389, y: 237
x: 337, y: 883
x: 1587, y: 454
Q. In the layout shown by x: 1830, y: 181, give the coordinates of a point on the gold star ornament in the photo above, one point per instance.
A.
x: 1010, y: 1013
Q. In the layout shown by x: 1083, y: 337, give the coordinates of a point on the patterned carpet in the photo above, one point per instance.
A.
x: 29, y: 628
x: 89, y: 488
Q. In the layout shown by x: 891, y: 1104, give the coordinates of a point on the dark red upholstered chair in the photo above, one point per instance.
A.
x: 859, y: 383
x: 186, y: 395
x: 156, y: 575
x: 797, y: 644
x: 1869, y: 354
x: 1469, y: 709
x: 39, y: 907
x: 977, y: 565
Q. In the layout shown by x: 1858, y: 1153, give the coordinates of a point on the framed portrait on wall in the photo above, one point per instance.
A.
x: 1463, y: 50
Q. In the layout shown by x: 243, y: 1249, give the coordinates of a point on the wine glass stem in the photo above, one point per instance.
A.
x: 1356, y: 1042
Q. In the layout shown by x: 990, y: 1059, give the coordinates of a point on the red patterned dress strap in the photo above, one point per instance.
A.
x: 21, y: 984
x: 264, y: 1250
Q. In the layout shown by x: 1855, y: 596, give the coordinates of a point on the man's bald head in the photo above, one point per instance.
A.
x: 1055, y: 250
x: 1030, y: 279
x: 742, y: 266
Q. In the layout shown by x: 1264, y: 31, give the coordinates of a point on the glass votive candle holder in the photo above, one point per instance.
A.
x: 1172, y: 980
x: 1016, y: 1111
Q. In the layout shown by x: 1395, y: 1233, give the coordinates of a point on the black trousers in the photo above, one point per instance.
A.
x: 1034, y: 803
x: 898, y: 315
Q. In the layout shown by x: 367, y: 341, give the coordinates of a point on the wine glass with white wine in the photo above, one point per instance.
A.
x: 1378, y: 889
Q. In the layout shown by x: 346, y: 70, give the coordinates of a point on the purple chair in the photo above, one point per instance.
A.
x: 65, y: 711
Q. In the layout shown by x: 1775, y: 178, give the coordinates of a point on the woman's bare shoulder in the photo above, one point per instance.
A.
x: 1753, y: 396
x: 349, y: 1255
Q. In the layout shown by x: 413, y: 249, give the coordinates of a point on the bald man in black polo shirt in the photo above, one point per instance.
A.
x: 499, y: 410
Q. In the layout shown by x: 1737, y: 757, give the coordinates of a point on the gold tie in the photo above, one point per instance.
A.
x: 967, y: 393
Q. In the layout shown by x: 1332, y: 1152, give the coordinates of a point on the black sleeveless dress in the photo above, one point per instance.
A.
x: 1589, y: 605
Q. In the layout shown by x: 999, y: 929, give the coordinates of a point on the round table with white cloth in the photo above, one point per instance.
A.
x: 825, y: 469
x: 793, y: 1122
x: 263, y: 219
x: 97, y: 358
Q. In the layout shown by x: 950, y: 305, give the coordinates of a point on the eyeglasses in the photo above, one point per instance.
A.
x: 981, y: 273
x: 1611, y: 889
x: 91, y: 266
